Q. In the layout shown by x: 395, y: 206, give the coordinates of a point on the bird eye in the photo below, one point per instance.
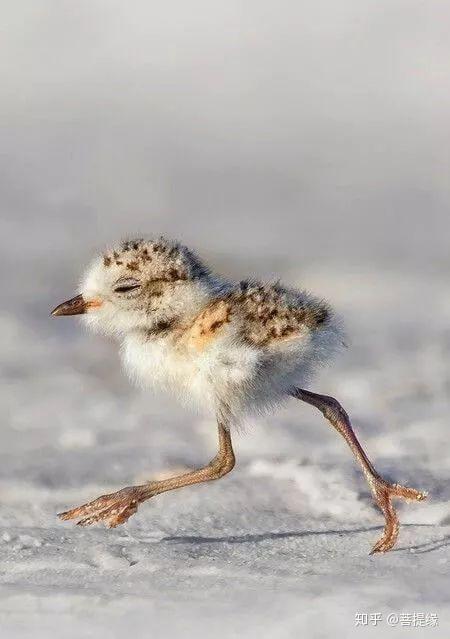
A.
x: 125, y: 286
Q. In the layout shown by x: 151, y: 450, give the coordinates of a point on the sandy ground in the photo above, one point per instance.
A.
x: 277, y: 548
x: 306, y: 140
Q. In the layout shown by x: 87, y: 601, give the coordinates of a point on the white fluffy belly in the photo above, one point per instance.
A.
x: 197, y: 377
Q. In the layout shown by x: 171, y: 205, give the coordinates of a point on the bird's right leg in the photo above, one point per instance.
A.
x: 114, y: 509
x: 382, y: 490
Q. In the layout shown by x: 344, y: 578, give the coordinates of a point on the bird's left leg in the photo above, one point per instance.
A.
x: 116, y: 508
x: 382, y: 490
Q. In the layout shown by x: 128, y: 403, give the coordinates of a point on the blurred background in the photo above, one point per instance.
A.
x: 306, y: 140
x: 307, y: 131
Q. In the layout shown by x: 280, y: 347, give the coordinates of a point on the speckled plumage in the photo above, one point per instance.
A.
x: 233, y: 347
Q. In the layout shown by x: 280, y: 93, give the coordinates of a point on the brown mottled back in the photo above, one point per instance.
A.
x: 272, y: 313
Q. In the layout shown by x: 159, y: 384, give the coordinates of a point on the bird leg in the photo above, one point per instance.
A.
x: 116, y: 508
x: 383, y: 491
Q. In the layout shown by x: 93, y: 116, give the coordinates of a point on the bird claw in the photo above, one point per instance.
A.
x: 384, y: 493
x: 112, y: 510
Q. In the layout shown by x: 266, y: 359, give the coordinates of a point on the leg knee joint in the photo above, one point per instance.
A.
x: 222, y: 465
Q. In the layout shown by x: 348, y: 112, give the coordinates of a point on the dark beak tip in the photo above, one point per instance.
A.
x: 75, y: 306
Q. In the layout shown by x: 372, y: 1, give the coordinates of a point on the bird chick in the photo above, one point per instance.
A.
x: 237, y: 347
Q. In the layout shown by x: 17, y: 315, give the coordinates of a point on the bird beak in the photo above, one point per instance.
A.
x: 75, y: 306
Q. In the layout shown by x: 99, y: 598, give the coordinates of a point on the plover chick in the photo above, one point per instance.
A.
x: 235, y: 347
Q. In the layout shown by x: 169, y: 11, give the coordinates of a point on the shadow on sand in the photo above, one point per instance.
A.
x: 257, y: 538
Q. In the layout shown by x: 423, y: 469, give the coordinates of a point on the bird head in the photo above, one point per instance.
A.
x: 139, y: 285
